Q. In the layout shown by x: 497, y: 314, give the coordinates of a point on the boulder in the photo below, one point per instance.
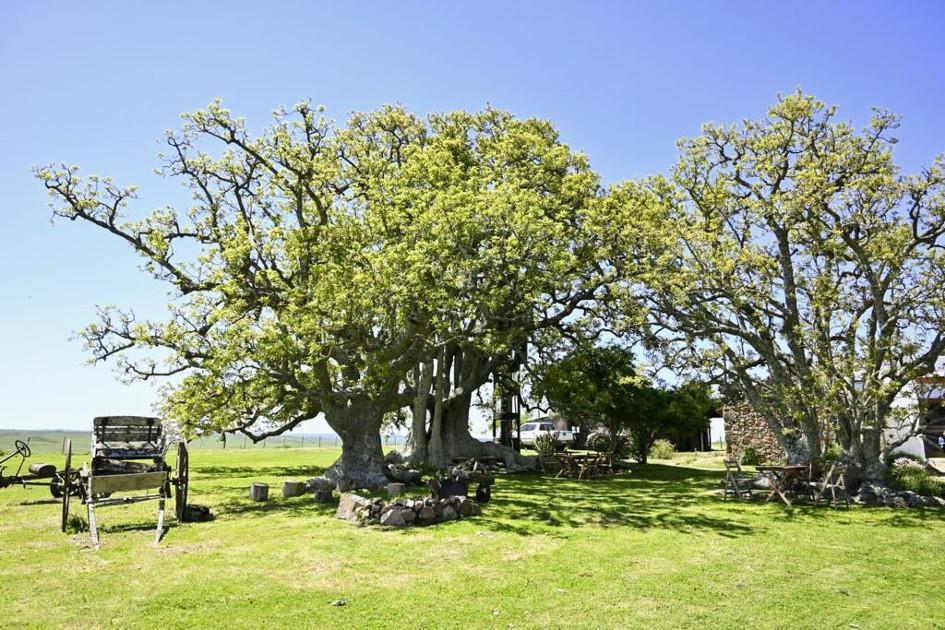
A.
x: 393, y: 518
x: 449, y: 513
x: 475, y: 509
x: 427, y: 515
x: 409, y: 516
x: 322, y: 484
x: 464, y: 508
x: 403, y: 474
x: 349, y: 505
x: 323, y: 496
x: 293, y: 489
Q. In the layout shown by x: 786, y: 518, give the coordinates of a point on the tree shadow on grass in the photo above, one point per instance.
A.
x: 651, y: 497
x: 288, y: 472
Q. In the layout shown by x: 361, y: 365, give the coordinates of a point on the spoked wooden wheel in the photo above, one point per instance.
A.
x: 66, y: 485
x: 182, y: 481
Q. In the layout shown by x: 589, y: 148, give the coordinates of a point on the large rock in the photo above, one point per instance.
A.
x: 427, y: 515
x: 294, y: 488
x: 349, y: 505
x: 449, y: 513
x: 320, y: 484
x: 404, y: 474
x: 464, y: 507
x: 393, y: 518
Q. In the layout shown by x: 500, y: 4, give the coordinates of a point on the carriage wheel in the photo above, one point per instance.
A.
x: 66, y: 485
x: 182, y: 481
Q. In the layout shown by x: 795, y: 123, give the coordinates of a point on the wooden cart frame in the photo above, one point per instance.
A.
x: 128, y: 454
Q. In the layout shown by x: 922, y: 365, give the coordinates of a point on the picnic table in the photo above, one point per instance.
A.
x: 783, y: 480
x: 582, y: 465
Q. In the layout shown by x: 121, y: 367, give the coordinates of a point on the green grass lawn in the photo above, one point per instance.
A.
x: 656, y: 548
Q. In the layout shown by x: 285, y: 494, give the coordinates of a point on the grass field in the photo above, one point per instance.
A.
x: 656, y: 548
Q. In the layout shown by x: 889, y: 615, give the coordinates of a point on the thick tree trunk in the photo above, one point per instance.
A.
x: 458, y: 443
x: 361, y: 464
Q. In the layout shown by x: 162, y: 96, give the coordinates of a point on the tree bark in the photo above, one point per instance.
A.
x: 417, y: 443
x: 361, y: 464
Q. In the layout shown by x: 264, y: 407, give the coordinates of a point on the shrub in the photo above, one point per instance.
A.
x: 907, y: 473
x: 751, y: 456
x: 600, y: 440
x: 833, y: 453
x: 546, y: 443
x: 662, y: 449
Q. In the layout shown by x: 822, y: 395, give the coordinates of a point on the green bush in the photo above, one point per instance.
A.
x: 909, y: 474
x: 546, y: 443
x: 662, y: 449
x: 601, y: 439
x: 751, y: 456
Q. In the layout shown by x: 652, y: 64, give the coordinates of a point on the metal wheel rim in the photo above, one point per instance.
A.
x: 66, y: 485
x: 182, y: 481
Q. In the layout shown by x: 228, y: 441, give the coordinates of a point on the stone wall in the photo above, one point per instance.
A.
x: 744, y: 427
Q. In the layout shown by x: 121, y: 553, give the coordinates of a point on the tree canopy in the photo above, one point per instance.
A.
x: 354, y: 270
x: 808, y: 271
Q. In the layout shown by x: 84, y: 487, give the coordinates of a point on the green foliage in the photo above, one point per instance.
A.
x: 603, y: 441
x: 546, y: 443
x: 751, y: 456
x: 662, y: 449
x: 806, y: 268
x: 914, y: 476
x: 599, y: 385
x: 320, y: 263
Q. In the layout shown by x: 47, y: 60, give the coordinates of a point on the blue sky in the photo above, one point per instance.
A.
x: 97, y: 83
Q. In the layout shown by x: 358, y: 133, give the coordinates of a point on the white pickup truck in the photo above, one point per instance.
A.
x: 531, y: 430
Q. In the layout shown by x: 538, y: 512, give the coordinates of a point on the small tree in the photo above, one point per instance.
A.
x: 599, y: 385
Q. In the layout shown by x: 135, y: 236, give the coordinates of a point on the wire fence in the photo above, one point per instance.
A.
x: 55, y: 441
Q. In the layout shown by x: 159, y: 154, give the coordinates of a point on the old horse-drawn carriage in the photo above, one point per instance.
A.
x: 128, y: 454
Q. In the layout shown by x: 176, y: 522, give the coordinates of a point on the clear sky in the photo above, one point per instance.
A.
x: 97, y: 83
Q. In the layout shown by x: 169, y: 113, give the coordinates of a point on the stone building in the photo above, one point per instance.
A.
x: 744, y: 427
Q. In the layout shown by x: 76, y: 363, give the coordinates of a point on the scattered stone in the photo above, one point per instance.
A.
x: 259, y: 492
x: 409, y: 516
x: 338, y: 602
x: 396, y: 489
x: 293, y: 489
x: 323, y: 496
x: 449, y: 513
x: 349, y: 505
x: 427, y: 514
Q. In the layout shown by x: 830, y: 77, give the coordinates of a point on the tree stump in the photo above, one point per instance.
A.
x: 259, y: 492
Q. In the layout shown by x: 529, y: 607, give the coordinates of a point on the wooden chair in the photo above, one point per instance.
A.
x: 832, y: 482
x: 548, y: 463
x: 737, y: 483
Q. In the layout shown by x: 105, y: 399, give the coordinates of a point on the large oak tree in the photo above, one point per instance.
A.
x: 809, y: 272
